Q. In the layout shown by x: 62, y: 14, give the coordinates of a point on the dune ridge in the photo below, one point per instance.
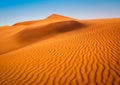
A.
x: 61, y: 51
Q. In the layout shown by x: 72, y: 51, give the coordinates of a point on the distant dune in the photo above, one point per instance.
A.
x: 60, y: 50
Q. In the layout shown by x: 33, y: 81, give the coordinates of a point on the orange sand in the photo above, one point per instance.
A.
x: 60, y: 51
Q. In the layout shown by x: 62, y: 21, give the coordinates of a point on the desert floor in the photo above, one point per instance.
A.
x: 60, y: 50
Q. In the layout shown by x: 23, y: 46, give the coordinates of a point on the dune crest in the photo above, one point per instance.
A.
x: 57, y: 17
x: 60, y: 51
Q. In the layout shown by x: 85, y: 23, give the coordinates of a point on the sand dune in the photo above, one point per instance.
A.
x: 60, y: 51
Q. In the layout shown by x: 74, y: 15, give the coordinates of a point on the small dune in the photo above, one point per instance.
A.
x: 60, y: 50
x: 30, y: 35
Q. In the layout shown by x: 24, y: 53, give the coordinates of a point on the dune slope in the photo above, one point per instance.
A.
x: 61, y: 51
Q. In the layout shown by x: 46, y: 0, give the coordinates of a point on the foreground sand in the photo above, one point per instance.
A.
x: 60, y: 51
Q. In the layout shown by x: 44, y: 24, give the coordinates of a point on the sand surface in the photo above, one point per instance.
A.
x: 60, y: 51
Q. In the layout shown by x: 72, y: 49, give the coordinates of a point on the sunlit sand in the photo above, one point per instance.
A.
x: 60, y: 50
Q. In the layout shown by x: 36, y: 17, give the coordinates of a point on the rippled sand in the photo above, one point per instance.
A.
x: 60, y: 51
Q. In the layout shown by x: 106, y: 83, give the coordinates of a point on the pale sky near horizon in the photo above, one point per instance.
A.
x: 12, y: 11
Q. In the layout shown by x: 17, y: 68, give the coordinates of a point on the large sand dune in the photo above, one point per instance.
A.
x: 60, y: 51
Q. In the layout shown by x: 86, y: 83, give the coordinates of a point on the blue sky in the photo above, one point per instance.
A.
x: 12, y: 11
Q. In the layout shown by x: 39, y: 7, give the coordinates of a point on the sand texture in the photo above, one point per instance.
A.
x: 60, y: 51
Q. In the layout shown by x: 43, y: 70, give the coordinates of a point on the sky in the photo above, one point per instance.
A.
x: 12, y: 11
